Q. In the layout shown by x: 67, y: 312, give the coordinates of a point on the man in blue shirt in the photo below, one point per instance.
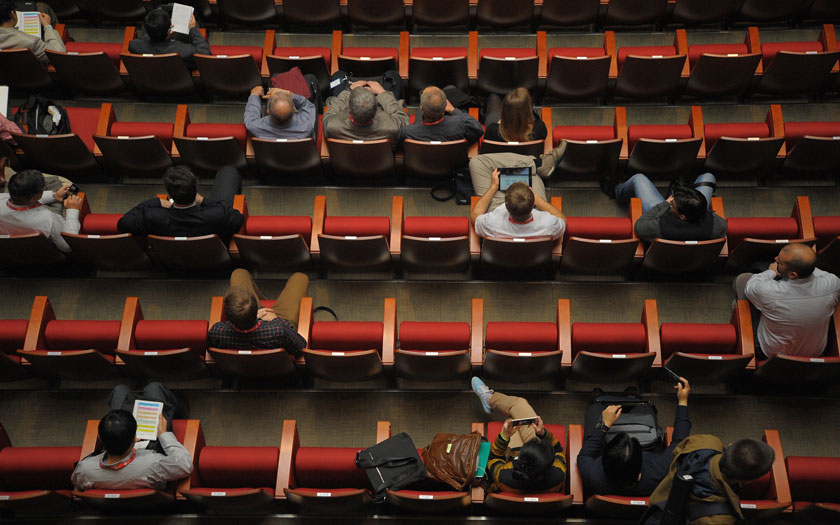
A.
x: 288, y: 115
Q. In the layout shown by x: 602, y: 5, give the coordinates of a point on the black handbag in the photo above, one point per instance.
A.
x: 391, y: 464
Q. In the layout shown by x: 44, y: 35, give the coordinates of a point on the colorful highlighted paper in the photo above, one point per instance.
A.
x: 29, y: 23
x: 147, y: 414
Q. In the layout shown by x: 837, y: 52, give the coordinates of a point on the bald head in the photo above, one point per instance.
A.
x: 280, y: 107
x: 796, y: 261
x: 433, y: 103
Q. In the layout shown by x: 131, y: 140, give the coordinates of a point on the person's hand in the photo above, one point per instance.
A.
x: 507, y: 429
x: 258, y: 90
x: 358, y: 83
x: 683, y: 391
x: 73, y: 202
x: 538, y: 427
x: 375, y: 87
x: 45, y: 19
x: 449, y: 107
x: 670, y: 199
x: 61, y: 193
x: 161, y: 424
x: 165, y: 203
x: 494, y: 179
x: 610, y: 415
x: 199, y: 198
x: 266, y: 314
x: 192, y: 21
x: 775, y: 267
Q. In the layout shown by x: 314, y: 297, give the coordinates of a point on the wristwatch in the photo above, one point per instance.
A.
x: 600, y: 425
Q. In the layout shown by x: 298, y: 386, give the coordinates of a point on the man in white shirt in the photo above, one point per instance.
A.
x: 517, y: 218
x: 23, y: 209
x: 796, y: 301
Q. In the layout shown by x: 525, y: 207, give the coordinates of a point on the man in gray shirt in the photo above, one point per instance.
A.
x: 288, y: 115
x: 366, y: 111
x: 796, y: 301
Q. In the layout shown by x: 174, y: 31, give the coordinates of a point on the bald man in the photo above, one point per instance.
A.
x: 796, y: 301
x: 287, y: 115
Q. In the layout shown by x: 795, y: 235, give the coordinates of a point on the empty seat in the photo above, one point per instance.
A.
x: 797, y: 68
x: 89, y: 67
x: 501, y: 70
x: 205, y: 253
x: 231, y: 71
x: 648, y: 72
x: 634, y: 12
x: 601, y: 244
x: 311, y: 60
x: 361, y: 159
x: 434, y: 160
x: 770, y: 10
x: 814, y: 487
x: 277, y: 243
x: 435, y: 244
x: 208, y: 147
x: 21, y: 71
x: 365, y: 61
x: 564, y: 13
x: 744, y: 148
x: 318, y: 13
x: 120, y: 10
x: 591, y: 151
x: 133, y: 148
x: 437, y: 66
x: 822, y: 10
x: 576, y: 73
x: 355, y: 244
x: 376, y: 13
x: 813, y: 148
x: 440, y: 13
x: 721, y: 70
x: 505, y: 13
x: 287, y: 158
x: 100, y: 244
x: 663, y: 150
x: 248, y: 12
x: 691, y: 12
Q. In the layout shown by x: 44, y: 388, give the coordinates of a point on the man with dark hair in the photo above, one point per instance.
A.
x: 249, y: 327
x: 186, y: 213
x: 622, y: 467
x: 23, y: 209
x: 159, y: 41
x: 683, y: 216
x: 523, y: 458
x: 439, y: 120
x: 796, y: 301
x: 13, y: 38
x: 517, y: 218
x: 365, y: 111
x: 126, y: 462
x: 288, y: 115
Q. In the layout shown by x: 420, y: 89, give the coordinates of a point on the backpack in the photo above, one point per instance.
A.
x: 638, y: 418
x: 391, y: 464
x: 42, y: 116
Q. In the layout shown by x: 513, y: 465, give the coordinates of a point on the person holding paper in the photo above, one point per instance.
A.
x: 12, y: 38
x: 159, y: 41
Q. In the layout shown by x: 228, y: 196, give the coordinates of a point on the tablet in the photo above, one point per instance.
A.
x: 508, y: 176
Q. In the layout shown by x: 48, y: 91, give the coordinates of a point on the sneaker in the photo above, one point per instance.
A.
x: 550, y: 160
x: 483, y: 392
x: 608, y: 186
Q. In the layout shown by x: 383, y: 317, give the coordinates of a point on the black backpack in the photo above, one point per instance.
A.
x: 38, y: 117
x: 638, y: 418
x: 391, y: 464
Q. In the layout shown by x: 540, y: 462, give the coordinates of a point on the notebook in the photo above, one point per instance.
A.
x: 483, y: 456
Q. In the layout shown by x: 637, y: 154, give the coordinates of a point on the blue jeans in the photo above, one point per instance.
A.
x: 640, y: 186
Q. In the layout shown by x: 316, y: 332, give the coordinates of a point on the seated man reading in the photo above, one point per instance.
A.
x: 159, y: 41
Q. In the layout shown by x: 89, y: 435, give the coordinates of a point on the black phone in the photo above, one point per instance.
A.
x: 673, y: 376
x: 523, y: 421
x: 73, y: 190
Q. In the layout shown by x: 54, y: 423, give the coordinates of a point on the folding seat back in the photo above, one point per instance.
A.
x: 368, y: 61
x: 352, y: 244
x: 795, y: 67
x: 577, y: 72
x: 434, y: 160
x: 376, y: 13
x: 433, y: 351
x: 207, y: 148
x: 231, y: 71
x: 682, y: 257
x: 120, y: 10
x: 532, y: 148
x: 719, y: 70
x: 517, y: 255
x: 21, y: 71
x: 770, y: 10
x: 812, y: 147
x: 435, y: 244
x: 65, y: 8
x: 102, y: 245
x: 345, y: 350
x: 162, y: 75
x: 692, y: 12
x: 437, y: 66
x: 441, y: 13
x: 248, y: 12
x: 275, y: 243
x: 649, y: 72
x: 361, y: 159
x: 27, y: 251
x: 12, y: 336
x: 599, y: 244
x: 569, y: 12
x: 823, y: 10
x: 287, y: 157
x: 136, y: 147
x: 311, y: 60
x: 206, y: 253
x: 660, y: 150
x: 323, y: 13
x: 91, y: 72
x: 505, y: 13
x: 501, y: 70
x: 591, y: 151
x: 814, y: 487
x: 37, y: 479
x: 741, y: 148
x: 428, y: 502
x: 634, y: 12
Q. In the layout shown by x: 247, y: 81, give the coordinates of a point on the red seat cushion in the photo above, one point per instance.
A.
x: 169, y: 335
x: 358, y: 226
x: 695, y: 51
x: 609, y: 338
x: 443, y: 52
x: 277, y: 225
x: 237, y: 131
x: 82, y: 335
x: 231, y: 51
x: 814, y: 478
x: 436, y: 226
x: 768, y: 228
x: 37, y: 468
x: 299, y: 52
x: 346, y: 335
x: 582, y: 133
x: 697, y: 338
x: 372, y: 52
x: 434, y: 336
x: 826, y: 229
x: 238, y: 466
x: 328, y: 467
x: 111, y: 50
x: 505, y: 52
x: 769, y: 49
x: 574, y: 52
x: 12, y: 334
x: 101, y: 223
x: 658, y: 131
x: 83, y: 122
x: 161, y: 130
x: 599, y: 227
x: 795, y: 131
x: 741, y: 130
x: 644, y: 51
x: 521, y: 337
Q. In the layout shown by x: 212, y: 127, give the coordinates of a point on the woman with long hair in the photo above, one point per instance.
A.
x: 512, y: 119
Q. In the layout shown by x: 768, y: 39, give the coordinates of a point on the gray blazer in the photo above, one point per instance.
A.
x: 11, y: 38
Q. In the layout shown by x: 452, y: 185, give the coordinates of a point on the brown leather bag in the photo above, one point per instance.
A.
x: 452, y: 458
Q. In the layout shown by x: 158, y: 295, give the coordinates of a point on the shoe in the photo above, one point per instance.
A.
x: 549, y: 161
x: 483, y: 392
x: 608, y: 186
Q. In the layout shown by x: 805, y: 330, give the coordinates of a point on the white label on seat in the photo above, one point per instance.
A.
x: 265, y: 237
x: 150, y: 353
x: 426, y: 496
x: 592, y: 142
x: 656, y: 56
x: 364, y: 58
x: 41, y: 136
x: 218, y: 493
x: 73, y: 53
x: 295, y: 57
x: 112, y: 496
x: 221, y: 56
x: 4, y: 498
x: 337, y: 353
x: 748, y: 505
x: 93, y: 236
x: 670, y: 140
x: 817, y: 360
x: 53, y: 353
x: 619, y: 356
x: 5, y: 236
x: 691, y: 242
x: 811, y: 52
x: 434, y: 238
x: 437, y: 58
x: 605, y: 241
x: 180, y: 238
x: 358, y: 142
x: 432, y: 354
x: 350, y: 237
x: 732, y: 54
x: 121, y: 137
x: 581, y: 58
x: 323, y: 494
x: 202, y: 138
x: 244, y: 352
x: 517, y: 239
x: 510, y: 58
x: 534, y: 500
x: 434, y: 142
x: 715, y: 358
x: 148, y: 54
x: 334, y: 83
x: 281, y: 140
x: 782, y: 241
x: 524, y: 354
x: 513, y: 143
x: 638, y: 502
x: 835, y: 138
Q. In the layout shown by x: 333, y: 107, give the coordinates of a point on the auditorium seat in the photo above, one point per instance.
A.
x: 685, y: 259
x: 439, y: 351
x: 751, y: 239
x: 435, y: 160
x: 822, y: 10
x: 721, y: 70
x: 797, y: 68
x: 361, y: 159
x: 741, y: 149
x: 615, y: 352
x: 634, y: 12
x: 505, y: 14
x: 230, y: 71
x: 311, y: 60
x: 651, y: 72
x: 65, y: 8
x: 433, y: 245
x: 156, y: 75
x: 22, y: 72
x: 770, y: 10
x: 88, y: 67
x: 814, y: 488
x: 248, y: 12
x: 309, y: 13
x: 569, y: 13
x: 137, y: 500
x: 813, y: 148
x: 439, y: 14
x: 592, y: 152
x: 119, y: 10
x: 769, y: 495
x: 133, y: 148
x: 161, y: 350
x: 288, y: 159
x: 24, y: 253
x: 827, y: 231
x: 207, y: 147
x: 663, y: 151
x: 100, y: 244
x: 707, y: 353
x: 435, y: 66
x: 36, y: 480
x: 694, y: 12
x: 12, y: 336
x: 355, y: 244
x: 321, y: 480
x: 501, y: 70
x: 376, y: 14
x: 601, y: 244
x: 229, y: 479
x: 349, y: 351
x: 364, y: 61
x: 523, y: 352
x: 579, y: 73
x: 64, y: 349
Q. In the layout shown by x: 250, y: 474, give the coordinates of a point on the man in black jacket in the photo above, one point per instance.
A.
x: 439, y: 120
x: 159, y: 41
x: 186, y: 213
x: 622, y: 467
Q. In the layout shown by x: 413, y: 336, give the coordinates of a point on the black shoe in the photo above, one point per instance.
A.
x: 608, y: 186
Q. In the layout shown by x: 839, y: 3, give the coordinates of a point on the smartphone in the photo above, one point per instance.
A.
x: 73, y: 190
x: 523, y: 421
x: 508, y: 176
x: 673, y: 376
